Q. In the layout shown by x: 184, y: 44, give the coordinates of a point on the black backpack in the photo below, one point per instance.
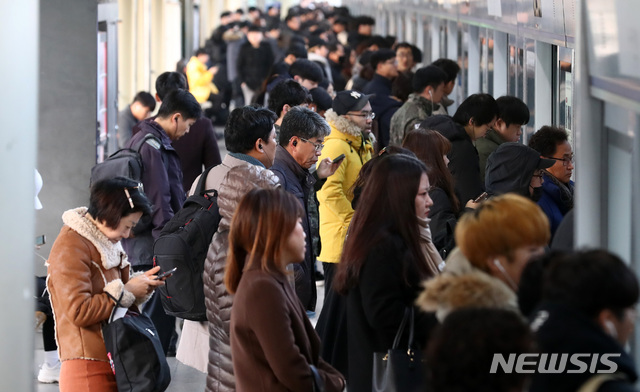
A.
x: 126, y: 162
x: 183, y: 244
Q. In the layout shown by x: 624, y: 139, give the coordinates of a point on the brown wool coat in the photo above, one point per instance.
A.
x: 272, y: 340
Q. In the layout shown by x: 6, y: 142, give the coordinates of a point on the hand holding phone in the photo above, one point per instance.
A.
x: 483, y: 196
x: 339, y: 158
x: 166, y: 274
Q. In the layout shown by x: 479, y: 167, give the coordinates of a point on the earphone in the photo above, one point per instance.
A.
x: 260, y: 146
x: 295, y: 143
x: 611, y: 328
x: 498, y: 265
x: 431, y: 95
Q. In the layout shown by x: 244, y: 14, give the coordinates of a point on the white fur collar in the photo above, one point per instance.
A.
x: 342, y: 124
x: 112, y: 254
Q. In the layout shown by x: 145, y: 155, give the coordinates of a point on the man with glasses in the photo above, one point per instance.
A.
x: 302, y: 136
x: 350, y: 118
x: 557, y: 191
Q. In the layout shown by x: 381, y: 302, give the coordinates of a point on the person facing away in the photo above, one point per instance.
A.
x: 474, y: 117
x: 516, y: 168
x: 301, y: 141
x: 452, y: 69
x: 286, y: 95
x: 350, y: 120
x: 383, y: 104
x: 384, y: 263
x: 142, y: 106
x: 428, y: 89
x: 273, y: 342
x: 512, y: 115
x: 162, y: 181
x: 251, y: 142
x: 557, y: 190
x: 588, y: 307
x: 87, y: 272
x: 197, y: 148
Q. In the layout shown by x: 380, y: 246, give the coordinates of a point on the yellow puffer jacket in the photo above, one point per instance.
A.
x: 335, y: 196
x: 200, y: 80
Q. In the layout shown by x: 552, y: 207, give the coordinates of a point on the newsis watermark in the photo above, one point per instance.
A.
x: 554, y: 363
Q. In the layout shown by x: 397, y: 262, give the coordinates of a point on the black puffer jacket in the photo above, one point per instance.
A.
x: 463, y: 158
x: 562, y: 330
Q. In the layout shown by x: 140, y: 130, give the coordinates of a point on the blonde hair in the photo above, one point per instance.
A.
x: 499, y: 226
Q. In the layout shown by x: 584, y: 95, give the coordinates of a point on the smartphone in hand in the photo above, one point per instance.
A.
x: 483, y: 196
x: 339, y: 158
x: 166, y: 274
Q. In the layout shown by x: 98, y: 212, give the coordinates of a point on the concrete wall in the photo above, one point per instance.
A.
x: 67, y: 100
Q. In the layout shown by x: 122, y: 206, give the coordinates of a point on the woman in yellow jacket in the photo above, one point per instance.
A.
x: 350, y: 119
x: 200, y: 77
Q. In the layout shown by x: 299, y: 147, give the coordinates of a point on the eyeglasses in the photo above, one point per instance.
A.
x: 366, y: 115
x: 126, y: 192
x: 565, y: 160
x: 317, y: 146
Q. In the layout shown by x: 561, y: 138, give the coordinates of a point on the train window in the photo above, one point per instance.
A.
x: 473, y: 66
x: 516, y: 60
x: 529, y: 82
x: 463, y: 45
x: 499, y: 63
x: 486, y: 60
x: 102, y: 131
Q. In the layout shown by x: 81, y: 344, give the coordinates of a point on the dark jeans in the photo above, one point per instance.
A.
x: 43, y: 305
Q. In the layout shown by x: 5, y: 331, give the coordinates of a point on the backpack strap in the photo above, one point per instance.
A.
x: 151, y: 140
x: 200, y: 188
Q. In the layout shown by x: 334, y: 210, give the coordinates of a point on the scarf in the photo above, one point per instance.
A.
x: 429, y: 250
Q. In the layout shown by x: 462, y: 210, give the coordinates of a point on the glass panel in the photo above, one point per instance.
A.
x: 529, y: 85
x: 490, y: 43
x: 564, y: 67
x: 101, y: 136
x: 463, y: 61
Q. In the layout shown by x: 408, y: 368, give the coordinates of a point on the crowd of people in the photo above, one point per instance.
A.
x: 344, y: 165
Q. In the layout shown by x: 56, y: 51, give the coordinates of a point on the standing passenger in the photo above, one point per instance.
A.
x: 470, y: 122
x: 142, y: 106
x: 452, y: 69
x: 273, y: 342
x: 87, y: 270
x: 384, y: 263
x: 350, y: 119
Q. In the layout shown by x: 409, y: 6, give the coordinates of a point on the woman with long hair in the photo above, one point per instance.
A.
x: 87, y: 269
x: 432, y: 149
x: 273, y: 343
x: 384, y: 263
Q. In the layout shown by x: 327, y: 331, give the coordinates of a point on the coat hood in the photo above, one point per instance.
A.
x: 112, y: 255
x: 446, y: 126
x: 510, y: 168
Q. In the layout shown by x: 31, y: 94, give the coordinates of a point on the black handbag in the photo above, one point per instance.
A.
x: 400, y: 369
x: 135, y: 352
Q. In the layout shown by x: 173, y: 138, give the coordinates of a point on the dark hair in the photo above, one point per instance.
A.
x: 512, y: 110
x: 462, y: 349
x: 450, y: 67
x: 482, y: 108
x: 378, y: 40
x: 302, y: 122
x: 225, y: 13
x: 417, y: 54
x: 430, y: 147
x: 590, y: 281
x: 365, y: 170
x: 364, y: 20
x: 403, y: 45
x: 109, y: 203
x: 321, y: 98
x: 169, y: 81
x: 306, y: 69
x: 180, y: 101
x: 298, y: 50
x: 380, y: 56
x: 246, y: 125
x: 427, y: 76
x: 386, y: 206
x: 146, y: 100
x: 546, y: 140
x: 530, y: 285
x: 259, y: 232
x: 239, y: 11
x: 201, y: 51
x: 288, y: 92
